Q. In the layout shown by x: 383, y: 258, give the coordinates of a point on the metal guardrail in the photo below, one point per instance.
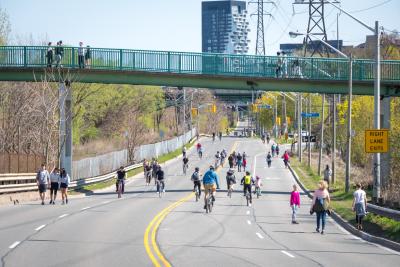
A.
x: 202, y: 63
x: 17, y: 186
x: 385, y: 212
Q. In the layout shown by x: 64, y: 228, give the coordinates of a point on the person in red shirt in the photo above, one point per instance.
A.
x: 286, y: 158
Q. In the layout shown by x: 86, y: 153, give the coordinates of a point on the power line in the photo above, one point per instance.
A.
x: 371, y: 7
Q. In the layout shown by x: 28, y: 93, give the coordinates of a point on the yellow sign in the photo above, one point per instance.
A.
x: 377, y: 141
x: 195, y: 112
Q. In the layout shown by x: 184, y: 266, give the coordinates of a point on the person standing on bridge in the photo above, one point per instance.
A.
x: 49, y: 55
x: 88, y: 57
x: 59, y: 53
x: 320, y: 205
x: 81, y: 56
x: 42, y: 179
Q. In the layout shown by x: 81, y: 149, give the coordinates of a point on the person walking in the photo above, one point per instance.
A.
x: 327, y: 175
x: 230, y: 161
x: 269, y: 159
x: 277, y: 150
x: 49, y: 55
x: 294, y: 203
x: 42, y: 180
x: 59, y: 51
x: 54, y: 184
x: 65, y: 180
x: 278, y: 70
x: 286, y: 159
x: 81, y: 56
x: 244, y: 164
x: 88, y: 57
x: 273, y: 150
x: 320, y: 205
x: 359, y: 205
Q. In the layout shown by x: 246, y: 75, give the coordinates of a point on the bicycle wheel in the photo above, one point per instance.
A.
x: 247, y: 199
x: 210, y: 205
x: 197, y: 195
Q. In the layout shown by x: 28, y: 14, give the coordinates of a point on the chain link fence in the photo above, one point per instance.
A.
x: 94, y: 166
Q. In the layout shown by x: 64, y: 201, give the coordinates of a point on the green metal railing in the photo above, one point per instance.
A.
x: 202, y: 63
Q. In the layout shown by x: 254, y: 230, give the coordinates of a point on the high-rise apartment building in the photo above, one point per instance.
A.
x: 225, y: 27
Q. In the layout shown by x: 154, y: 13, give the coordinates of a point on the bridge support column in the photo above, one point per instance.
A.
x: 65, y: 135
x: 385, y: 124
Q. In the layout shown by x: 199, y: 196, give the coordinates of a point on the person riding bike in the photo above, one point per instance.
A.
x: 239, y: 162
x: 185, y: 162
x: 200, y: 152
x: 247, y: 181
x: 121, y: 175
x: 147, y: 171
x: 210, y: 182
x: 183, y: 151
x: 217, y: 159
x: 196, y: 180
x: 263, y: 138
x: 273, y: 150
x: 223, y: 155
x: 268, y: 138
x: 160, y: 180
x: 198, y: 146
x: 269, y: 159
x: 230, y: 178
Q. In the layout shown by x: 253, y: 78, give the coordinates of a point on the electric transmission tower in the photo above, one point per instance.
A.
x: 260, y: 43
x: 316, y: 26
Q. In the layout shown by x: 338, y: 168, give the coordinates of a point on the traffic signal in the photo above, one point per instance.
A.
x: 195, y: 112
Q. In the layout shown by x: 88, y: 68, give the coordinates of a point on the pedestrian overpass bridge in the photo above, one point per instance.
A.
x: 202, y: 70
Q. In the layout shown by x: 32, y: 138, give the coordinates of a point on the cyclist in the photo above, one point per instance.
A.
x: 213, y: 136
x: 160, y: 180
x: 277, y: 150
x: 154, y: 167
x: 246, y: 181
x: 196, y: 180
x: 185, y: 164
x: 263, y: 138
x: 268, y: 138
x: 121, y: 175
x: 217, y: 159
x: 220, y: 136
x: 223, y: 156
x: 269, y: 159
x: 200, y: 152
x: 239, y: 159
x: 147, y: 173
x: 184, y: 151
x: 210, y: 182
x: 230, y: 161
x: 198, y: 146
x: 230, y: 179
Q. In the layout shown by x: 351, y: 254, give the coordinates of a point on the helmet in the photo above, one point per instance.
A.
x: 196, y: 169
x: 231, y: 170
x: 247, y: 173
x: 211, y: 167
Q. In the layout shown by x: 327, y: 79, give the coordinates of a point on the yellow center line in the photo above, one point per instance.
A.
x: 155, y: 223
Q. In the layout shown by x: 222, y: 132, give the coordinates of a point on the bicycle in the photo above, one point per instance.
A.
x: 209, y: 202
x: 119, y: 191
x: 197, y: 193
x: 217, y: 163
x: 230, y: 190
x: 160, y: 188
x: 248, y: 198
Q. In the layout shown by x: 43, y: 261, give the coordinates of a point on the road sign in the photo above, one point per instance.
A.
x: 264, y: 106
x: 377, y: 141
x: 313, y: 138
x: 310, y: 115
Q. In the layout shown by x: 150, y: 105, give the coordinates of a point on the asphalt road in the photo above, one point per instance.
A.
x: 101, y: 230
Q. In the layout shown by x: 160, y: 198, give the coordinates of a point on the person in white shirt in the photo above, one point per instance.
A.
x: 359, y: 205
x: 327, y: 174
x: 55, y: 180
x: 43, y: 180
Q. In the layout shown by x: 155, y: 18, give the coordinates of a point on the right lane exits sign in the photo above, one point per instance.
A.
x: 377, y: 141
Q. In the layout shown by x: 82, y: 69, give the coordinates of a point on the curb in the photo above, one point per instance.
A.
x: 350, y: 228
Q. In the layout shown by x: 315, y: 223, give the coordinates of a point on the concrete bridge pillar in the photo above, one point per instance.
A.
x: 65, y: 135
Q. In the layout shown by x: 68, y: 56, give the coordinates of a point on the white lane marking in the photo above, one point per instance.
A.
x: 259, y: 235
x: 40, y: 227
x: 62, y: 216
x: 248, y: 222
x: 287, y: 253
x: 248, y: 212
x: 13, y: 245
x: 85, y: 208
x: 106, y: 202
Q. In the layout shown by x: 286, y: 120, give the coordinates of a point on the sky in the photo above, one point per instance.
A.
x: 175, y: 25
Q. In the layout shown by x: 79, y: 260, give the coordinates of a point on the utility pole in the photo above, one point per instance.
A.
x: 334, y: 139
x: 299, y: 127
x: 321, y: 142
x: 377, y: 111
x: 309, y: 131
x: 184, y: 111
x: 276, y: 117
x: 284, y: 114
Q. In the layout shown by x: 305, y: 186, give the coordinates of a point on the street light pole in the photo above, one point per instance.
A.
x: 377, y: 115
x: 348, y: 158
x: 299, y: 127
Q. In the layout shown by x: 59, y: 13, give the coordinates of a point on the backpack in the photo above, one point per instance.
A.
x: 320, y: 205
x: 195, y: 176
